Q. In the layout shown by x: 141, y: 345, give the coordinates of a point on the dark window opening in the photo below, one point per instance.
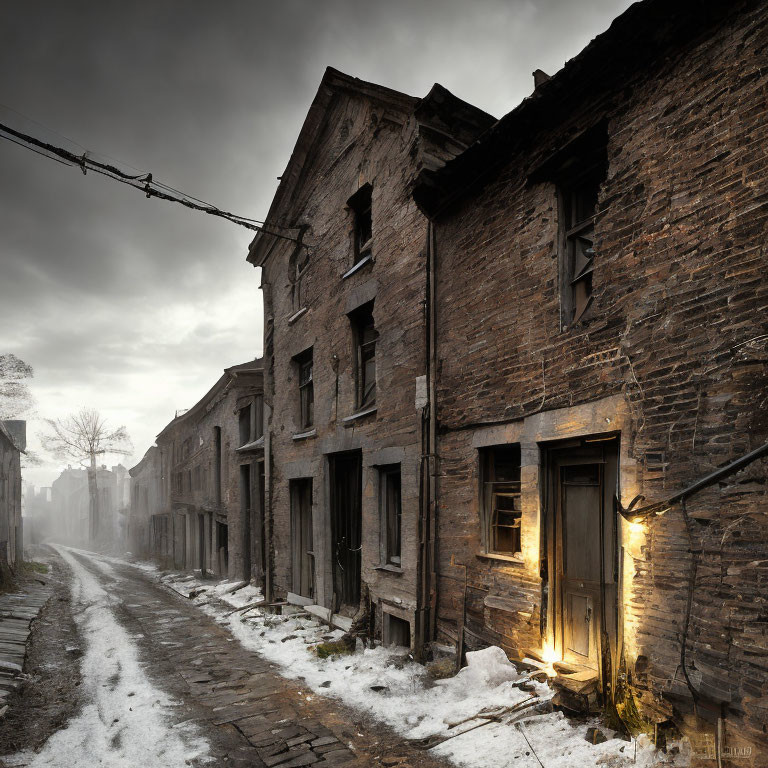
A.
x: 258, y: 417
x: 244, y: 423
x: 391, y: 507
x: 502, y: 509
x: 217, y: 464
x: 306, y: 390
x: 360, y: 203
x: 365, y: 335
x: 397, y: 631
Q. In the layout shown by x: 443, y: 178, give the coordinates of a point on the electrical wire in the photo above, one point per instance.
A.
x: 142, y: 181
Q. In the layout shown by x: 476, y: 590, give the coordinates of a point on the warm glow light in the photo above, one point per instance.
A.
x: 549, y: 654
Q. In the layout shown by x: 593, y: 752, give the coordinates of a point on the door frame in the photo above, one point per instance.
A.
x: 602, y: 449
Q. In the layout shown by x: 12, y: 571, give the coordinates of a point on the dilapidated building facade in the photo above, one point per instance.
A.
x: 211, y: 459
x: 146, y: 500
x: 601, y: 351
x: 344, y: 278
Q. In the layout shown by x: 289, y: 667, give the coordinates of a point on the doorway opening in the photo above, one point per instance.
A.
x: 222, y: 547
x: 302, y: 553
x: 346, y: 476
x: 581, y: 552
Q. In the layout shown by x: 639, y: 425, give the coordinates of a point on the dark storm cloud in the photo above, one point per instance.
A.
x: 133, y: 305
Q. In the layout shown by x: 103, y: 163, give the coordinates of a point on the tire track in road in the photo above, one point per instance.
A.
x: 126, y: 721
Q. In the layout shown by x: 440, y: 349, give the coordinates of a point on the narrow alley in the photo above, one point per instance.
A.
x: 165, y: 685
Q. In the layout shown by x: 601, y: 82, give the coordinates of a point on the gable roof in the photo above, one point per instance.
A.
x: 449, y: 123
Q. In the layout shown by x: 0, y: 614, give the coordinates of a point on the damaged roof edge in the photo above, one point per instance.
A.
x: 634, y: 40
x: 250, y: 367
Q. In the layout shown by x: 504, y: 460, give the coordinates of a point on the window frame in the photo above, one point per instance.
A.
x: 577, y: 263
x: 493, y: 488
x: 361, y: 205
x: 363, y: 321
x: 305, y: 371
x: 391, y: 527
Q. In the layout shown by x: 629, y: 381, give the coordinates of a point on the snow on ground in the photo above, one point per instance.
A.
x: 125, y: 722
x: 390, y: 687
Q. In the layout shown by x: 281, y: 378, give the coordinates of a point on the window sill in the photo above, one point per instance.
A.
x: 365, y: 260
x: 305, y: 435
x: 296, y: 315
x: 503, y: 558
x: 359, y: 414
x: 389, y: 568
x: 252, y: 446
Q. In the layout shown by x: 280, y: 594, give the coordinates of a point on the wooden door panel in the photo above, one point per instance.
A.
x: 578, y: 630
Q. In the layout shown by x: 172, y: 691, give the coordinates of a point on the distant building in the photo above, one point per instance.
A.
x: 13, y: 442
x: 197, y: 498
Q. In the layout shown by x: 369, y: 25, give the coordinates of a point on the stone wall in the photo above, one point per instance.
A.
x: 360, y: 142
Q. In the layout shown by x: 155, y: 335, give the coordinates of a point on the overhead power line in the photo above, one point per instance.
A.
x: 143, y: 181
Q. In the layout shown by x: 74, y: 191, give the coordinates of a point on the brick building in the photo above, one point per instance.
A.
x: 13, y: 442
x: 211, y: 460
x: 344, y: 280
x: 600, y: 307
x: 146, y: 500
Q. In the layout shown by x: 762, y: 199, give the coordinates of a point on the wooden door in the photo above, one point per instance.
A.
x: 346, y: 517
x: 580, y: 570
x: 302, y: 554
x: 580, y: 529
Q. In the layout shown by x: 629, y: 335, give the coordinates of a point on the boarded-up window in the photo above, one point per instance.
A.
x: 501, y: 499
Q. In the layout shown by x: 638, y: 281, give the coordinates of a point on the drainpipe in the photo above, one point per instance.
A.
x: 427, y: 587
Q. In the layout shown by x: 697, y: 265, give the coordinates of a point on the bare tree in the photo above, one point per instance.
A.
x: 15, y: 398
x: 83, y: 436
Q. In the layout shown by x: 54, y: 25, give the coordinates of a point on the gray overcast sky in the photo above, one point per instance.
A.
x: 135, y: 306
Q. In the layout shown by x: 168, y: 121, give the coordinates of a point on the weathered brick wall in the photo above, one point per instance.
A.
x: 679, y: 308
x: 359, y: 144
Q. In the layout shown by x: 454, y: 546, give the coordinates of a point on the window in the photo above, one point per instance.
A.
x: 391, y: 513
x: 299, y: 264
x: 306, y: 390
x: 501, y: 500
x: 365, y: 335
x: 258, y: 417
x: 360, y: 203
x: 578, y: 207
x: 244, y: 423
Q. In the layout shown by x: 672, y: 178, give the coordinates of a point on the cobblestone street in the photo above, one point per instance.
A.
x: 228, y: 704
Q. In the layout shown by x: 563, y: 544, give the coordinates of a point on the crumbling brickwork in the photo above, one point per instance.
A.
x: 671, y: 353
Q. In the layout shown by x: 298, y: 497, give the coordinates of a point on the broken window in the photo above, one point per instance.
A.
x: 365, y: 335
x: 391, y: 513
x: 360, y: 203
x: 306, y: 390
x: 579, y: 205
x: 501, y: 500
